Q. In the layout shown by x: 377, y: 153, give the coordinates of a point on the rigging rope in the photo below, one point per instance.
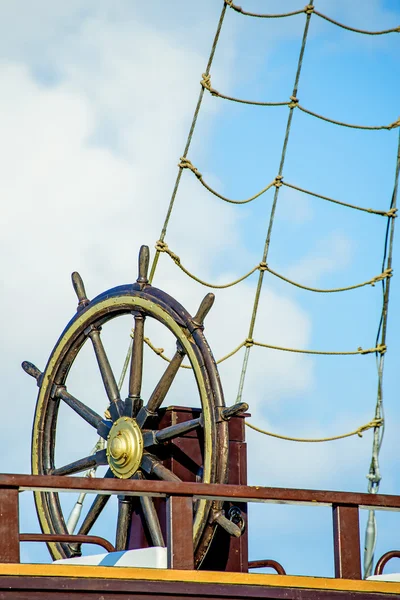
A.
x: 390, y: 213
x: 293, y: 103
x: 359, y: 431
x: 262, y: 266
x: 374, y: 475
x: 273, y: 209
x: 188, y: 141
x: 308, y: 9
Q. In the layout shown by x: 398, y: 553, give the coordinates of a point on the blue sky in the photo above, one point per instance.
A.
x: 96, y: 108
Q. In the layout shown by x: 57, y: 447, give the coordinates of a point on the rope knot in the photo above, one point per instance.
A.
x: 278, y: 181
x: 263, y: 266
x: 308, y: 9
x: 249, y: 342
x: 206, y: 83
x: 372, y: 424
x: 392, y: 213
x: 294, y: 102
x: 161, y: 246
x: 185, y: 163
x: 386, y: 274
x: 381, y: 348
x: 394, y: 124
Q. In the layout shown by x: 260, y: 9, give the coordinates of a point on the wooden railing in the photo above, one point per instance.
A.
x: 180, y: 495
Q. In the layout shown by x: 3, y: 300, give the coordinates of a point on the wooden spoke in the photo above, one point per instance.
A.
x: 79, y: 290
x: 162, y: 388
x: 89, y: 415
x: 169, y: 433
x: 133, y: 402
x: 123, y: 522
x: 83, y: 464
x: 95, y: 510
x: 107, y: 374
x: 151, y: 517
x: 143, y: 264
x: 152, y: 466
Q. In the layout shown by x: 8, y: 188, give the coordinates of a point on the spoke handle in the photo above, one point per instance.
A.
x: 144, y: 260
x: 80, y: 291
x: 229, y: 526
x: 203, y: 310
x: 32, y: 370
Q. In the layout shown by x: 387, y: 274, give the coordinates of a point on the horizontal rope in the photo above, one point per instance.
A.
x: 387, y: 273
x: 294, y: 103
x: 247, y: 343
x: 308, y: 9
x: 163, y: 247
x: 363, y: 31
x: 277, y: 182
x: 206, y: 83
x: 380, y: 348
x: 390, y: 213
x: 359, y: 431
x: 262, y: 266
x: 187, y: 164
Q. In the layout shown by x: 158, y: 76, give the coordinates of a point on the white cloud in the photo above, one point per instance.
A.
x: 330, y: 254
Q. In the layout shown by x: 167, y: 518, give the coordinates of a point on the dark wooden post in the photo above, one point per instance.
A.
x: 346, y: 537
x: 9, y: 525
x: 179, y: 532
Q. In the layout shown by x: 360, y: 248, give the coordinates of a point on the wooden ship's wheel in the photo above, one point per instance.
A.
x: 134, y: 445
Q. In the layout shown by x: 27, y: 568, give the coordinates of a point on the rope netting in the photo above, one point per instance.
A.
x: 379, y: 349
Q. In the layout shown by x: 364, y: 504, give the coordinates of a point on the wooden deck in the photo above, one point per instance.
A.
x: 61, y: 582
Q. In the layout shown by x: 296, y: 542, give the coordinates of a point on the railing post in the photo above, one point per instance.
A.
x: 180, y: 532
x: 9, y: 525
x: 346, y: 537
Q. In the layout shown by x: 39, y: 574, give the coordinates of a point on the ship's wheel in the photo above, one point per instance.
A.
x: 134, y: 446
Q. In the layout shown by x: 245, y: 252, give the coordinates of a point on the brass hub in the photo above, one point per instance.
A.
x: 124, y: 447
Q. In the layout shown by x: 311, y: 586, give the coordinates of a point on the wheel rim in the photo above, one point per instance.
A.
x: 152, y: 303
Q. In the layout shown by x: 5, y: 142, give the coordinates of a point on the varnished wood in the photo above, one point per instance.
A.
x: 346, y: 539
x: 179, y: 523
x: 242, y: 493
x: 9, y: 525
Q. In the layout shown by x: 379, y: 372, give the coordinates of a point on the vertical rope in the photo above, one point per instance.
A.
x: 188, y: 142
x: 374, y: 475
x: 273, y: 208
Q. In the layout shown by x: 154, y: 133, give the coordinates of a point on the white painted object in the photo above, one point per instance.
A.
x: 387, y: 577
x: 151, y: 558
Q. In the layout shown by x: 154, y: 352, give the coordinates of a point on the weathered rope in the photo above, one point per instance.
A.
x: 239, y: 9
x: 294, y: 103
x: 188, y: 141
x: 262, y: 266
x: 363, y: 31
x: 206, y: 83
x: 379, y: 348
x: 342, y: 123
x: 374, y: 475
x: 359, y: 431
x: 163, y: 247
x: 309, y: 8
x: 390, y: 213
x: 373, y: 281
x: 187, y: 164
x: 248, y: 343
